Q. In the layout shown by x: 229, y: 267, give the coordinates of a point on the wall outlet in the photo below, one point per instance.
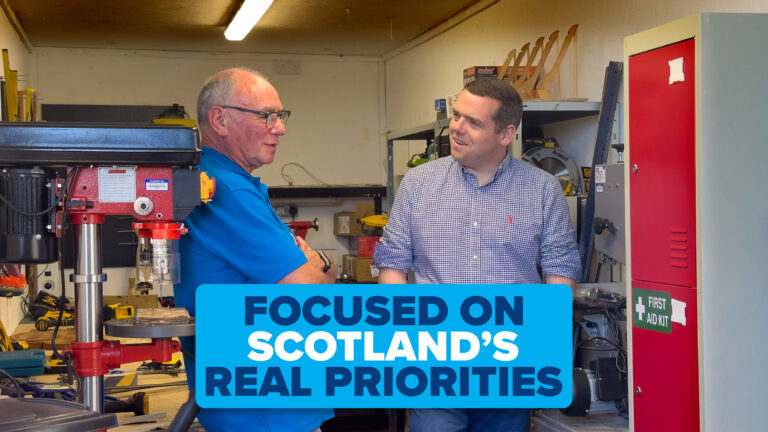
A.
x: 282, y: 211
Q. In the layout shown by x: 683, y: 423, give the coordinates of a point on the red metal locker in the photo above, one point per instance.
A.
x: 694, y: 128
x: 663, y: 235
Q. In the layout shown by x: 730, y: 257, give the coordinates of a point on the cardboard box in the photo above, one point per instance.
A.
x: 360, y: 269
x: 363, y: 247
x: 345, y: 224
x: 363, y: 210
x: 475, y: 72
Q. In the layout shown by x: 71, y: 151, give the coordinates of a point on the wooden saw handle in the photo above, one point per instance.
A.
x: 542, y: 88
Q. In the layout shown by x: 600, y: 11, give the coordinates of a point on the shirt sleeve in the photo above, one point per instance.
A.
x: 395, y: 249
x: 559, y: 253
x: 242, y: 230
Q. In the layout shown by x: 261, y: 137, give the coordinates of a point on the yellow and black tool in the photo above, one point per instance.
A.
x: 51, y: 317
x: 138, y: 404
x: 118, y: 311
x: 5, y: 341
x: 6, y: 344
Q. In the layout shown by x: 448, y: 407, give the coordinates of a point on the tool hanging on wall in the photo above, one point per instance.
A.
x: 514, y: 68
x: 543, y: 86
x: 511, y: 56
x: 529, y: 63
x: 530, y: 81
x: 527, y: 86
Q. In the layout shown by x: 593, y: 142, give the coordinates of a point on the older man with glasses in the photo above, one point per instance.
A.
x: 238, y: 238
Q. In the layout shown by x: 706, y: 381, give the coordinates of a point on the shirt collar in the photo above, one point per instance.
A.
x: 503, y: 166
x: 216, y: 158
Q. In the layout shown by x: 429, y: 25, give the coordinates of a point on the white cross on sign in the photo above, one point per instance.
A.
x: 640, y: 308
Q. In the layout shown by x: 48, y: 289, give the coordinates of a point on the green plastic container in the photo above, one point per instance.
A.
x: 23, y: 363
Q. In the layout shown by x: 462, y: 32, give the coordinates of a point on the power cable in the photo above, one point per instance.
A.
x: 289, y: 179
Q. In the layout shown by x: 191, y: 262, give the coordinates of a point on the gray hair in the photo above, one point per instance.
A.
x: 217, y: 89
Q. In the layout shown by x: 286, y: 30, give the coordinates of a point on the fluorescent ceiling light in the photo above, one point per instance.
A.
x: 249, y: 14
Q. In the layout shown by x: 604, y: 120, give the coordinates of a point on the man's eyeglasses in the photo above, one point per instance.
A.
x: 270, y: 117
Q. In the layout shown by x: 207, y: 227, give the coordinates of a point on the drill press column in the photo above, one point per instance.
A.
x: 88, y: 279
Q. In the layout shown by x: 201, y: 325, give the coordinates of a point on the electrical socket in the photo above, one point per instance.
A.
x: 282, y: 211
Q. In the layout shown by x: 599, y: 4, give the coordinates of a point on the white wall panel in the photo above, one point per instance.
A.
x: 334, y: 101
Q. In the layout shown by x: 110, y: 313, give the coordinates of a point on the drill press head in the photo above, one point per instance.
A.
x: 143, y: 171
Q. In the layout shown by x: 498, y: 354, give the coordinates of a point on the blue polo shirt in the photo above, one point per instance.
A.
x: 238, y: 239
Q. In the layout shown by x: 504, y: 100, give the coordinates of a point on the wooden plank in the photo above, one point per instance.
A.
x: 42, y: 339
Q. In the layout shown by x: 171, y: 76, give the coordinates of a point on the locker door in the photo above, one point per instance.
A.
x: 665, y: 365
x: 662, y: 163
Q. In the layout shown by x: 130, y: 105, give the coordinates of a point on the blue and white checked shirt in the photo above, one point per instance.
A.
x: 451, y: 230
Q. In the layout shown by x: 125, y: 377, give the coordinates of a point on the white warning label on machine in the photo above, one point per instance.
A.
x: 117, y: 184
x: 599, y: 177
x: 599, y: 173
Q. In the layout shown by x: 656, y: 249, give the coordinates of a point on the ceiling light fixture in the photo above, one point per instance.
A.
x: 249, y: 14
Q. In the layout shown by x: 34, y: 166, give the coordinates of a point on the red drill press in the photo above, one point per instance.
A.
x: 145, y: 171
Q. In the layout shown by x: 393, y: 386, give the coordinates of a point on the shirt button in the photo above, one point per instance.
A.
x: 474, y: 257
x: 474, y: 223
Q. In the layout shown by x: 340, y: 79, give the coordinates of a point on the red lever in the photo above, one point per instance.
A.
x: 300, y: 228
x: 96, y: 358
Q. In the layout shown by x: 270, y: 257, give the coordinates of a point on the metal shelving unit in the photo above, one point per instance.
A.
x: 331, y: 191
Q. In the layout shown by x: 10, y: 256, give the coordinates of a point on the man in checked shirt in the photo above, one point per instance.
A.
x: 479, y: 216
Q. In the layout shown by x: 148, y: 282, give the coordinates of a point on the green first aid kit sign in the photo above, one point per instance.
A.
x: 652, y: 310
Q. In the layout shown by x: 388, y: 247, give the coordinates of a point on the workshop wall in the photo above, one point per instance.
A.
x: 335, y: 102
x: 416, y: 77
x: 334, y: 129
